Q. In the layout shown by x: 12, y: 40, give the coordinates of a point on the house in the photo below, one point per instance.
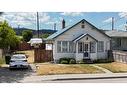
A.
x: 81, y: 40
x: 119, y: 39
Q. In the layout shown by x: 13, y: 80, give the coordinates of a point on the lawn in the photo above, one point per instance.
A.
x: 30, y: 54
x: 115, y: 67
x: 52, y: 69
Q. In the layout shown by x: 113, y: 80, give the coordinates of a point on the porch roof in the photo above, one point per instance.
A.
x: 83, y: 35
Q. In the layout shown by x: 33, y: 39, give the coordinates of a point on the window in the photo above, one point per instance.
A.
x: 80, y: 47
x: 59, y: 46
x: 64, y: 46
x: 71, y: 47
x: 83, y: 24
x: 92, y: 47
x: 118, y: 40
x: 100, y: 46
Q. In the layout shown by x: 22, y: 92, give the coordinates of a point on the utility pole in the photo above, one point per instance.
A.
x: 54, y: 26
x: 19, y: 29
x: 38, y: 24
x: 112, y: 23
x: 126, y: 26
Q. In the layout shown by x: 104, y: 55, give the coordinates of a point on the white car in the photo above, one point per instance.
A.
x: 18, y: 61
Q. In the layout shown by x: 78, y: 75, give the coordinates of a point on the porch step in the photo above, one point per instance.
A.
x: 88, y: 61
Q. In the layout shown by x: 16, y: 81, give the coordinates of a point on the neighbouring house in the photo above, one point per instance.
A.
x: 119, y: 39
x: 35, y: 42
x: 81, y: 40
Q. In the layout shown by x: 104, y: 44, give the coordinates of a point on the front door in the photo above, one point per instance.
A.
x: 86, y: 51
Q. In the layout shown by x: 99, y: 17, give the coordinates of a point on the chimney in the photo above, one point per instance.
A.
x: 63, y: 24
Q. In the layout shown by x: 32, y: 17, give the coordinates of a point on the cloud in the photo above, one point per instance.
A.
x: 24, y: 18
x: 108, y: 20
x: 123, y: 14
x: 72, y: 13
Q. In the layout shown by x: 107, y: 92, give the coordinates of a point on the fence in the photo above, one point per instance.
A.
x: 1, y: 53
x: 119, y: 56
x: 42, y: 55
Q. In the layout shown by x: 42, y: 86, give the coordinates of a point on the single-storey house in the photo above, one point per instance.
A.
x: 118, y: 39
x: 81, y: 40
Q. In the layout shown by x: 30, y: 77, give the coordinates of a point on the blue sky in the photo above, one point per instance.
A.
x: 47, y: 19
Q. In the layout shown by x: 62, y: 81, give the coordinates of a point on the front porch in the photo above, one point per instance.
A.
x: 86, y: 47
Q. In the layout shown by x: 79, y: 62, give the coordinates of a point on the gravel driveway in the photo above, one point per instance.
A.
x: 16, y: 75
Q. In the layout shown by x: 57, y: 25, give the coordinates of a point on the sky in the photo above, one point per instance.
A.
x: 101, y: 20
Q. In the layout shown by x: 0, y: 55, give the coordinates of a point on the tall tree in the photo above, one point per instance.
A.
x: 27, y: 35
x: 7, y: 36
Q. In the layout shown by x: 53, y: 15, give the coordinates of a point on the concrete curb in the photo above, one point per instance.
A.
x: 82, y: 77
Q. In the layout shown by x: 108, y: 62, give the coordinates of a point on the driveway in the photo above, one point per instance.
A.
x: 16, y: 75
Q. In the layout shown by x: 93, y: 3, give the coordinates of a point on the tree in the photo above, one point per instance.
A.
x: 8, y: 36
x: 27, y: 35
x: 45, y: 35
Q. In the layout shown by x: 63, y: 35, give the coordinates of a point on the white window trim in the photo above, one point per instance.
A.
x: 98, y: 47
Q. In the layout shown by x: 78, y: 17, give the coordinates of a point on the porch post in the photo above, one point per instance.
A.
x: 76, y: 50
x: 96, y: 50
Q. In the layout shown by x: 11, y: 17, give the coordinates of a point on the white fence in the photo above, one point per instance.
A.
x: 120, y: 56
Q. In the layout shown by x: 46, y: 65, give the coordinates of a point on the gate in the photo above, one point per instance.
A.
x: 42, y: 55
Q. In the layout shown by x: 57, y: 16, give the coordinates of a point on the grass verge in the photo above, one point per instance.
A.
x: 52, y: 69
x: 115, y: 67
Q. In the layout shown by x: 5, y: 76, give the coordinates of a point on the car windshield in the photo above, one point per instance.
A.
x: 18, y: 57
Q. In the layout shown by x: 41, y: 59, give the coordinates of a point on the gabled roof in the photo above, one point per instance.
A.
x: 83, y: 35
x: 69, y: 27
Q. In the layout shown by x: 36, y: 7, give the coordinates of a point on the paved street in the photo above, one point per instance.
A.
x: 30, y: 76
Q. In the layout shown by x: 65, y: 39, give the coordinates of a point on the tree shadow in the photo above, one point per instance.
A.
x: 15, y: 75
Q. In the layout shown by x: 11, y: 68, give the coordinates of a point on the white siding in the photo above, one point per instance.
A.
x: 76, y: 31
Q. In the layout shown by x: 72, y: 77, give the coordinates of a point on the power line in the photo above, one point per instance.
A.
x: 109, y: 23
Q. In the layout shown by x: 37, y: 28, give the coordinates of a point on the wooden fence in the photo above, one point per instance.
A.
x: 42, y: 55
x: 119, y: 56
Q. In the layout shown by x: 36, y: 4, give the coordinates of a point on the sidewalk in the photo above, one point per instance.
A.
x: 83, y: 76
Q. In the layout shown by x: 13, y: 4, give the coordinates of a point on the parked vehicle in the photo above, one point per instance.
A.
x: 18, y: 61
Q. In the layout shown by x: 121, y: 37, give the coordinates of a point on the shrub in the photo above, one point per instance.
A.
x: 68, y: 60
x: 7, y: 59
x: 64, y: 62
x: 81, y: 62
x: 102, y: 61
x: 72, y: 61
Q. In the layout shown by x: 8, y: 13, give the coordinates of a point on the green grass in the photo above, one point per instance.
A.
x: 115, y: 67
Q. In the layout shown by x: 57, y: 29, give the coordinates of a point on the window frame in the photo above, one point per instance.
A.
x: 100, y: 46
x: 93, y: 49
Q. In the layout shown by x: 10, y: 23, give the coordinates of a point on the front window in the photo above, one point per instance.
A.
x: 100, y: 46
x: 92, y: 47
x: 59, y: 46
x: 80, y: 47
x: 64, y: 46
x: 71, y: 47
